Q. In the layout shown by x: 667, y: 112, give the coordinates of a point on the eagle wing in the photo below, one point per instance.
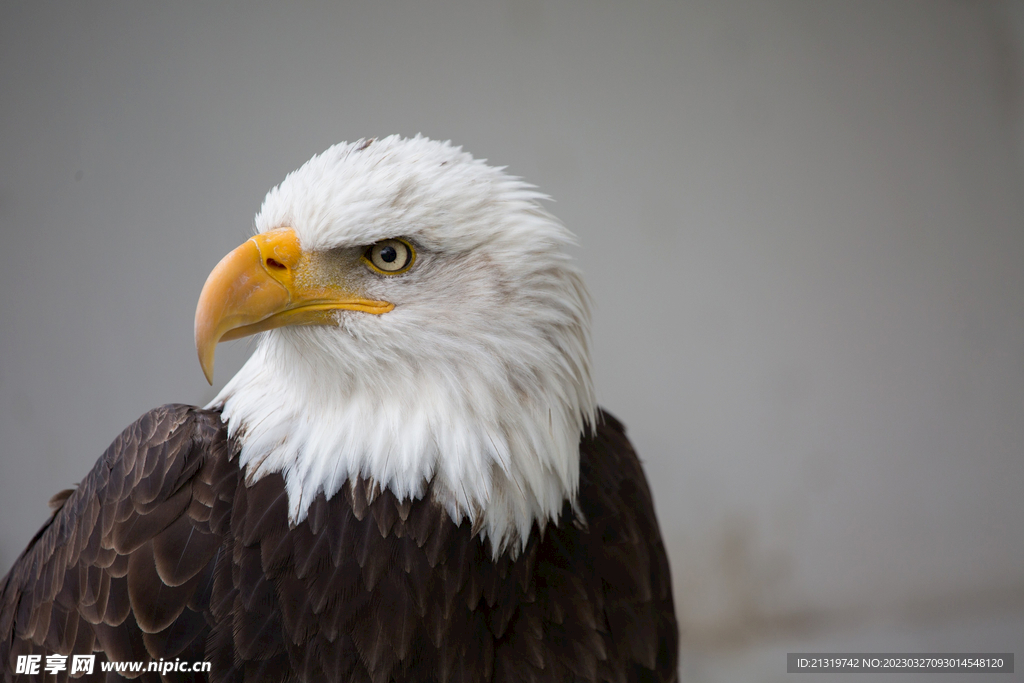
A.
x: 125, y: 565
x: 624, y: 554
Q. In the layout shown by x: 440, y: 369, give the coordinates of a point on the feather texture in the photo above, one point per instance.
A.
x: 366, y: 588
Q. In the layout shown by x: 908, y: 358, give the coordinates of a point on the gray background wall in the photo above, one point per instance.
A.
x: 802, y: 223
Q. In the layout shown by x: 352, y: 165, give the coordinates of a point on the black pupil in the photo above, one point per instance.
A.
x: 388, y: 254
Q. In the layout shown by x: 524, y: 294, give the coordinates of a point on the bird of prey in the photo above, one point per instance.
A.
x: 409, y: 480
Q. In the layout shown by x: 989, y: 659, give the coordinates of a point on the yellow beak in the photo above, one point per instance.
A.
x: 268, y: 282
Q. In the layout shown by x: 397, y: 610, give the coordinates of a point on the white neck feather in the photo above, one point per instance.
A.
x: 501, y: 457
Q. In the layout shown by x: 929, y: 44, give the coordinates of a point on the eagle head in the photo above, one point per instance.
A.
x: 420, y: 326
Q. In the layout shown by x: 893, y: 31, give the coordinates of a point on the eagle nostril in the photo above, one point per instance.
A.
x: 276, y: 265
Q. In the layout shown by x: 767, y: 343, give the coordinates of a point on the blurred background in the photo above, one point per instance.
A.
x: 802, y: 223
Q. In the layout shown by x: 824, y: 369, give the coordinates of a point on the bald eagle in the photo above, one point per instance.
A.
x: 409, y: 480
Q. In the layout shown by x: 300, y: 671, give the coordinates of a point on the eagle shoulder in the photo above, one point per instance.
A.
x: 625, y: 549
x: 121, y: 564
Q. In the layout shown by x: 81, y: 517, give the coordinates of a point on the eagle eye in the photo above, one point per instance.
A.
x: 390, y: 257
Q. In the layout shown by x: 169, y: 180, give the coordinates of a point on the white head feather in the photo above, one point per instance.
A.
x: 477, y: 383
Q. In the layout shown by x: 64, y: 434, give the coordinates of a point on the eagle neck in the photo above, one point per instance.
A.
x: 502, y: 458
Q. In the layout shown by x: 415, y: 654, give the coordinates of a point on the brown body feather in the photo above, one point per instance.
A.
x: 163, y: 552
